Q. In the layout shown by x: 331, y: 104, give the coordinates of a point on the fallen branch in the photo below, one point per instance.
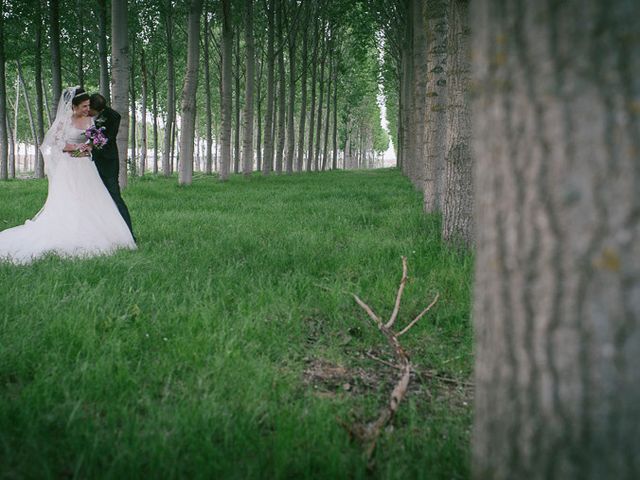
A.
x: 370, y: 432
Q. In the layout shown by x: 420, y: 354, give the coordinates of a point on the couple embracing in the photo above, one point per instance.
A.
x: 84, y: 214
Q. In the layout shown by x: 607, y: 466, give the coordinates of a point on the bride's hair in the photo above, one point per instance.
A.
x: 79, y: 97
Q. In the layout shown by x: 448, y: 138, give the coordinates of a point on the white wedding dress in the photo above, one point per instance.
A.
x: 79, y: 217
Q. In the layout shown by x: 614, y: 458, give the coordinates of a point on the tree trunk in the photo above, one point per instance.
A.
x: 54, y: 42
x: 227, y: 55
x: 120, y: 79
x: 154, y: 93
x: 188, y: 120
x: 291, y: 140
x: 282, y: 82
x: 314, y: 79
x: 436, y: 104
x: 4, y: 151
x: 133, y: 162
x: 267, y: 162
x: 303, y: 97
x: 247, y: 148
x: 207, y: 90
x: 557, y: 311
x: 236, y: 130
x: 328, y: 118
x: 419, y: 93
x: 171, y: 93
x: 335, y: 115
x: 259, y: 96
x: 80, y: 52
x: 102, y: 49
x: 457, y: 208
x: 25, y: 94
x: 14, y: 140
x: 143, y: 116
x: 323, y: 59
x: 39, y: 162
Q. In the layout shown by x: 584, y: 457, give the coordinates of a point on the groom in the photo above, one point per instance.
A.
x: 106, y: 159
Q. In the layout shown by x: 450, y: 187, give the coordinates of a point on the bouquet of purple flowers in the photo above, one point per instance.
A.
x: 96, y: 137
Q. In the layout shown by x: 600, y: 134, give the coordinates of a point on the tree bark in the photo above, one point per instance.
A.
x: 154, y: 93
x: 143, y: 116
x: 247, y: 148
x: 207, y: 89
x: 259, y: 96
x: 457, y: 208
x: 188, y: 121
x: 419, y: 93
x: 314, y: 79
x: 102, y: 49
x: 327, y: 121
x: 171, y: 92
x: 436, y: 105
x: 282, y: 83
x: 267, y: 162
x: 303, y: 96
x: 54, y: 42
x: 556, y: 125
x: 323, y: 59
x: 133, y: 162
x: 237, y: 96
x: 120, y: 79
x: 27, y: 103
x: 293, y: 73
x: 80, y: 52
x: 335, y: 114
x: 4, y: 150
x: 227, y: 55
x: 39, y: 162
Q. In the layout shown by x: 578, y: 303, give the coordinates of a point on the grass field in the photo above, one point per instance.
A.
x: 228, y: 345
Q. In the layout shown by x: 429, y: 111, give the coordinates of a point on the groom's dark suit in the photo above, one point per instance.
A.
x: 107, y: 162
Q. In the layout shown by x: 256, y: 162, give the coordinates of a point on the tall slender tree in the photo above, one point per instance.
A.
x: 436, y: 104
x: 303, y: 88
x: 143, y: 111
x: 207, y: 91
x: 314, y: 77
x: 120, y: 80
x: 227, y: 55
x: 267, y: 162
x: 39, y: 163
x: 247, y: 148
x: 187, y: 130
x: 169, y: 125
x: 54, y: 42
x: 282, y: 85
x: 103, y: 50
x: 457, y: 207
x: 4, y: 138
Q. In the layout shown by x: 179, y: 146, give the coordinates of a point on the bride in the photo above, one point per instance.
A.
x: 79, y: 217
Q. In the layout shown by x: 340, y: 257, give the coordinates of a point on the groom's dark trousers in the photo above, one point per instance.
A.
x: 107, y: 161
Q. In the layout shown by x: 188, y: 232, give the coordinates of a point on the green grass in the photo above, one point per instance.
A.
x: 207, y: 353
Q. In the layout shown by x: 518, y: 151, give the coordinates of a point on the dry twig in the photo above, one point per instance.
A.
x: 370, y: 432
